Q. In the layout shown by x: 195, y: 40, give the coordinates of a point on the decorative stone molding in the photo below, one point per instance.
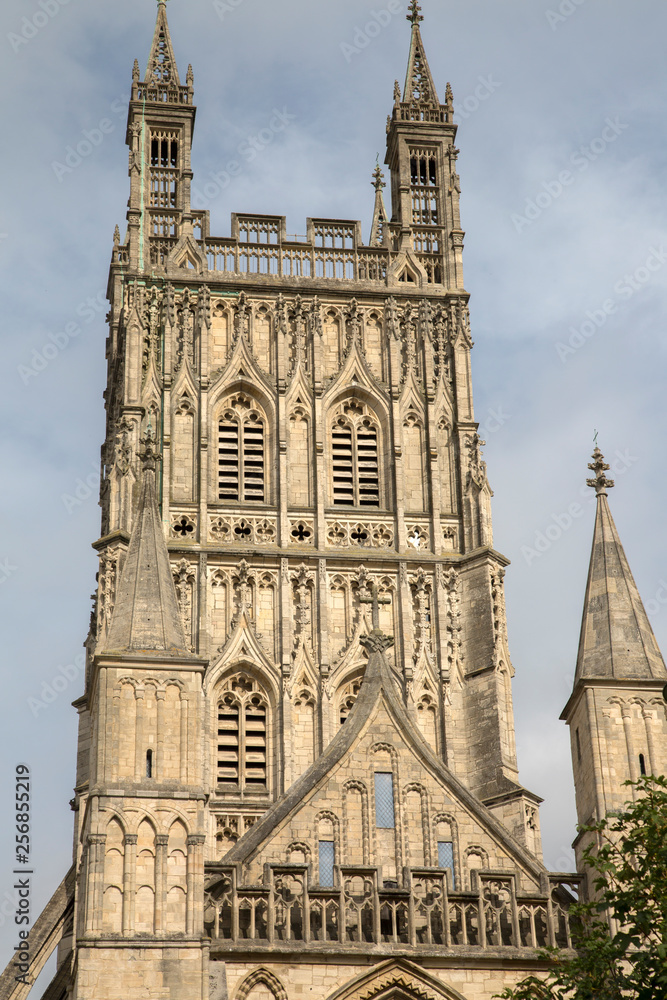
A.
x: 232, y: 529
x: 348, y: 533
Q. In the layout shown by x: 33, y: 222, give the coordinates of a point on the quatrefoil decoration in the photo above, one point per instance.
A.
x: 184, y: 527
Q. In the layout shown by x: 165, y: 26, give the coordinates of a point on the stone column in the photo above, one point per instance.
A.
x: 129, y: 882
x: 161, y: 855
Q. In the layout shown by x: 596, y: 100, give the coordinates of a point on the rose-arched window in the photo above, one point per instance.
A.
x: 241, y: 447
x: 243, y: 718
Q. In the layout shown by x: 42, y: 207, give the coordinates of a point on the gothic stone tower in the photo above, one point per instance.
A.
x: 297, y: 773
x: 616, y: 713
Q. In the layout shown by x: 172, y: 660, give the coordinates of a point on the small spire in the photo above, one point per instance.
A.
x: 161, y: 67
x: 419, y: 85
x: 380, y: 226
x: 415, y: 14
x: 116, y: 237
x: 600, y: 483
x: 449, y: 100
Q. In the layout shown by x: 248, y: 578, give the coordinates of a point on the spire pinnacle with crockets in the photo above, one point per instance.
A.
x: 600, y: 483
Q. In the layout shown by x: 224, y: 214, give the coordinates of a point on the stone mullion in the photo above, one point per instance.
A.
x: 139, y: 734
x: 129, y: 882
x: 161, y: 861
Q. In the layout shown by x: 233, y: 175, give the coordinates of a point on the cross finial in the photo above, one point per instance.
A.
x: 375, y: 600
x: 415, y: 12
x: 600, y: 484
x: 378, y: 179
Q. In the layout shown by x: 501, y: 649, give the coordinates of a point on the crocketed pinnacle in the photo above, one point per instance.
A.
x: 616, y: 639
x: 419, y: 85
x: 161, y: 67
x: 146, y: 616
x: 380, y: 217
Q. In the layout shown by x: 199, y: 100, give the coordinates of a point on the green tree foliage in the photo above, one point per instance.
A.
x: 624, y: 958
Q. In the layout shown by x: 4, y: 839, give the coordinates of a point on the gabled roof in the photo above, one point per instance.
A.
x: 146, y: 616
x: 379, y: 684
x: 616, y: 641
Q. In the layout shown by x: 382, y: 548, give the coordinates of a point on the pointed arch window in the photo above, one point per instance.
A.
x: 425, y: 187
x: 164, y: 169
x: 241, y: 443
x: 242, y: 746
x: 356, y: 461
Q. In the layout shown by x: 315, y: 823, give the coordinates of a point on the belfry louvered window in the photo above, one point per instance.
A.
x: 242, y: 738
x: 356, y: 470
x: 241, y: 458
x: 164, y: 169
x: 425, y: 189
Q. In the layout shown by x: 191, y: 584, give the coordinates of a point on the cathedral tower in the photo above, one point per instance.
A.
x: 297, y: 770
x: 616, y: 712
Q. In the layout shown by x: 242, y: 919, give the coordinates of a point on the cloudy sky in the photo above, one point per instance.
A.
x: 561, y: 105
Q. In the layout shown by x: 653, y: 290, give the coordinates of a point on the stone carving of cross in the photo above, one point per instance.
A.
x: 375, y: 600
